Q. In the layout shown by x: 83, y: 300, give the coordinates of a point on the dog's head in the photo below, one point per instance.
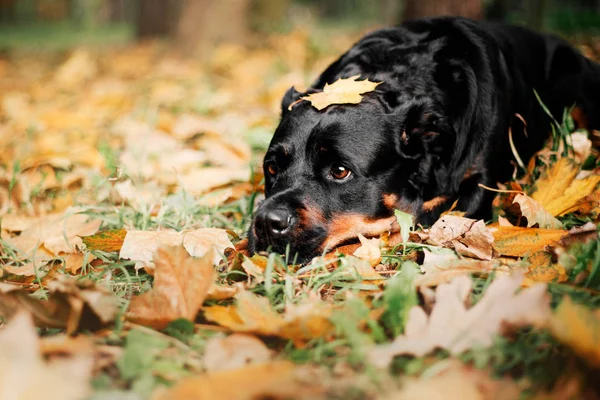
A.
x: 333, y: 174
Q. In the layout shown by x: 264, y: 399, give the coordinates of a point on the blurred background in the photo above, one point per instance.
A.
x: 199, y: 25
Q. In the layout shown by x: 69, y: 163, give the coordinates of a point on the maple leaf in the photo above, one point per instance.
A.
x: 25, y: 375
x: 54, y: 234
x: 181, y: 285
x: 535, y: 213
x: 558, y: 190
x: 456, y: 328
x: 342, y: 91
x: 234, y: 351
x: 140, y: 246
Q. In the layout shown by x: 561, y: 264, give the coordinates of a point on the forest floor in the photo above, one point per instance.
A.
x: 129, y: 174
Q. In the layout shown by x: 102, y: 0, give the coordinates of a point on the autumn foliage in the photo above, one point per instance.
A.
x: 127, y: 181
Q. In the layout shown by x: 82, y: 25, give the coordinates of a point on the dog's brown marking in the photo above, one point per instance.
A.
x: 434, y: 203
x: 347, y: 226
x: 390, y: 200
x: 310, y: 215
x: 580, y: 119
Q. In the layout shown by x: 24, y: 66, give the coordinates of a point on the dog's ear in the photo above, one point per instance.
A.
x: 289, y: 98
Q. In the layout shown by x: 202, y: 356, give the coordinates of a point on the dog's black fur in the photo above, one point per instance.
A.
x: 435, y: 128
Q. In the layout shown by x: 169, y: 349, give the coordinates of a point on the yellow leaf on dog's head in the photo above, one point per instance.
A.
x: 342, y: 91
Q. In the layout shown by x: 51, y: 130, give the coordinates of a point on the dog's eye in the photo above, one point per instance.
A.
x: 272, y: 169
x: 339, y: 172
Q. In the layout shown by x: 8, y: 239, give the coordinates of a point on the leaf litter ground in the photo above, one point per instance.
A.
x: 128, y: 178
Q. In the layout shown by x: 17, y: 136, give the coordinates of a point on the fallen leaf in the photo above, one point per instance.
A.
x: 276, y: 379
x: 219, y: 292
x: 109, y: 241
x: 467, y: 236
x: 54, y: 234
x: 253, y: 314
x: 25, y: 375
x: 234, y: 351
x: 542, y: 269
x: 456, y: 328
x: 443, y: 271
x: 73, y: 305
x: 181, y: 285
x: 456, y: 381
x: 369, y: 250
x: 342, y: 91
x: 578, y: 327
x: 140, y: 246
x: 535, y: 213
x: 558, y: 190
x: 200, y: 241
x: 519, y: 242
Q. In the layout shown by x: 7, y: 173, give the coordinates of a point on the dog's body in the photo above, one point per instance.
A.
x: 436, y: 128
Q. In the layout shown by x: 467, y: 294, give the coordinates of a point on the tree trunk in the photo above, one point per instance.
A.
x: 156, y: 18
x: 206, y: 23
x: 430, y: 8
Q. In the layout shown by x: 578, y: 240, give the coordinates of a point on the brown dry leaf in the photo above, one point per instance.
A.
x: 558, y: 190
x: 72, y: 305
x: 370, y: 250
x: 74, y: 262
x: 273, y: 380
x: 456, y: 328
x: 54, y: 234
x: 443, y: 271
x: 234, y: 351
x: 140, y: 246
x: 253, y: 314
x: 24, y: 375
x: 535, y: 213
x: 342, y: 91
x: 201, y: 180
x: 456, y: 381
x: 519, y: 242
x: 542, y: 269
x: 467, y: 236
x: 181, y: 284
x: 254, y: 268
x: 109, y: 241
x: 219, y: 292
x: 578, y: 327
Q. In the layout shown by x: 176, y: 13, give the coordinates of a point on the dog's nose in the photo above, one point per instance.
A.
x: 273, y: 222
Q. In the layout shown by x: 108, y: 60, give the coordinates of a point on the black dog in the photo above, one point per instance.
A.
x: 427, y: 136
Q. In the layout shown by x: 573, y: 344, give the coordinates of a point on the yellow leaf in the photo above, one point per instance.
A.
x: 541, y: 269
x: 181, y: 285
x: 535, y: 213
x: 518, y: 242
x: 342, y: 91
x: 579, y: 328
x: 234, y: 351
x: 108, y: 241
x: 559, y: 192
x: 253, y: 314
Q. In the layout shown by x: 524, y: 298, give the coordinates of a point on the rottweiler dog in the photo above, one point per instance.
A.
x: 427, y: 136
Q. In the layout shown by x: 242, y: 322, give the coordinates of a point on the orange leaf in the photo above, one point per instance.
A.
x: 108, y: 241
x: 181, y: 285
x: 275, y: 380
x: 541, y: 269
x: 518, y: 242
